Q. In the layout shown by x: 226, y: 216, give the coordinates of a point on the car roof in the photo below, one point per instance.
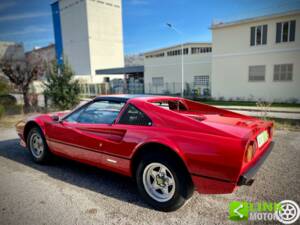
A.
x: 126, y: 97
x: 119, y: 98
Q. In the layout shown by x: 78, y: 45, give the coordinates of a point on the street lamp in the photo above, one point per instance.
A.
x: 182, y: 57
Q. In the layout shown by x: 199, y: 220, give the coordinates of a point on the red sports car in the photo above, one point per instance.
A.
x: 169, y: 145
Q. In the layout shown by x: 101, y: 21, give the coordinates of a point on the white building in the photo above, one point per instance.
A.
x: 257, y: 58
x: 11, y: 51
x: 88, y: 34
x: 163, y: 69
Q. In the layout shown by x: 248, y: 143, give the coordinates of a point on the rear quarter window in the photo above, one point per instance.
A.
x: 134, y: 116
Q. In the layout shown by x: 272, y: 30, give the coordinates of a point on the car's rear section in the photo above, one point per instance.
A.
x: 257, y: 149
x: 222, y: 149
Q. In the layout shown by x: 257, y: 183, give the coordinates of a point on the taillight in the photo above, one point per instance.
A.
x: 250, y: 152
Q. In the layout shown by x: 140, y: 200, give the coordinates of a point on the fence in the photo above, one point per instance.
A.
x: 91, y: 90
x: 175, y: 88
x: 171, y: 88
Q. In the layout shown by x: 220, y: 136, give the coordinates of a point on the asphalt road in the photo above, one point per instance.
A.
x: 66, y: 192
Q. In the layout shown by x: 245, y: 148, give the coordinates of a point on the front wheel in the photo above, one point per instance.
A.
x: 161, y: 183
x: 37, y: 145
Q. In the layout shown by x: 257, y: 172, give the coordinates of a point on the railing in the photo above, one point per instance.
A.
x: 90, y: 90
x: 171, y: 88
x: 174, y: 88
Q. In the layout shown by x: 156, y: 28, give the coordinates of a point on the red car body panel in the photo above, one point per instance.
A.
x: 210, y: 141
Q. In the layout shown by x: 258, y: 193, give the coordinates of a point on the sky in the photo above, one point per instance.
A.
x: 144, y: 21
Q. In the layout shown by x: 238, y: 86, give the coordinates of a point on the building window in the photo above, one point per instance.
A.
x: 200, y: 50
x: 162, y: 54
x: 283, y: 72
x: 257, y: 73
x: 185, y: 51
x: 285, y: 31
x: 202, y: 80
x: 178, y: 52
x: 158, y: 81
x: 258, y: 35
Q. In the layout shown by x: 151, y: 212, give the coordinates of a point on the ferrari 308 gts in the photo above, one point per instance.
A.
x: 171, y: 146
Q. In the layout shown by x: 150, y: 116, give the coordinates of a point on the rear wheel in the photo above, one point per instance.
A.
x: 37, y: 145
x: 161, y: 183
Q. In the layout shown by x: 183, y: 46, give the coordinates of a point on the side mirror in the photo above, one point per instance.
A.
x: 55, y: 118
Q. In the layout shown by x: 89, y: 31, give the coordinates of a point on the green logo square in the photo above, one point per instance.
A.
x: 238, y: 211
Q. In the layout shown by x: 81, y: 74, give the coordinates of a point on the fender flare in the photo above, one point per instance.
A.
x: 165, y: 142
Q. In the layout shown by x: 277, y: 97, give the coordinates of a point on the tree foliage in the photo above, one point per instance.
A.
x: 62, y: 90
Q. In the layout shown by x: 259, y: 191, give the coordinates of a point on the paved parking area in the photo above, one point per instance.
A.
x: 66, y: 192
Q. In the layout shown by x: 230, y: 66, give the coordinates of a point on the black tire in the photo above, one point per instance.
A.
x: 45, y: 155
x: 183, y: 185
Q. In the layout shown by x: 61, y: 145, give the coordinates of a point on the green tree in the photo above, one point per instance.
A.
x: 61, y: 89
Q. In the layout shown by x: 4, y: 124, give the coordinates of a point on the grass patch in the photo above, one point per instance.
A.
x: 286, y: 124
x: 10, y: 121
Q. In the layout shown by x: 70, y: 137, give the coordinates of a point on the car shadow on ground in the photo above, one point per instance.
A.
x: 91, y: 178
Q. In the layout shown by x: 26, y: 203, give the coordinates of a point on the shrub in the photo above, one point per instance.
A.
x: 264, y: 108
x: 2, y: 111
x: 7, y: 100
x: 13, y: 109
x: 4, y: 87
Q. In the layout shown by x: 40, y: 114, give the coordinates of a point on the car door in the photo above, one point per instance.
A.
x: 88, y: 134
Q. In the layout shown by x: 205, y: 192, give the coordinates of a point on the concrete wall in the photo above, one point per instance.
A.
x: 232, y: 56
x: 105, y: 36
x: 92, y: 36
x: 75, y: 35
x: 46, y: 54
x: 11, y: 51
x: 169, y: 67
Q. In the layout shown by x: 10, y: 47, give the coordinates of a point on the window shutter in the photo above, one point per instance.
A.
x: 278, y: 32
x: 292, y: 30
x: 252, y: 36
x: 265, y: 33
x: 257, y: 73
x: 283, y: 72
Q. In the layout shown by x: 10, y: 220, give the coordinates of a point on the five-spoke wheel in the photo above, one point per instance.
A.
x: 159, y: 182
x: 163, y: 182
x: 37, y: 145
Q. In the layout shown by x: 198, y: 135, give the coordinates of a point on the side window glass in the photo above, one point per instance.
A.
x: 133, y: 116
x: 100, y: 112
x: 74, y: 116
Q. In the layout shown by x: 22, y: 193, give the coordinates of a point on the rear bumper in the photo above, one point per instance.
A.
x: 247, y: 178
x: 209, y: 185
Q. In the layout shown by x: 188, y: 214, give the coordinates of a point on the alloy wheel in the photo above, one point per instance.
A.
x: 159, y: 182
